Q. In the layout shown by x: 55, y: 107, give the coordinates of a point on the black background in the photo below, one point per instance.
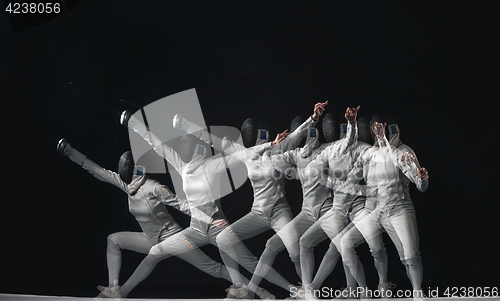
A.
x: 430, y: 65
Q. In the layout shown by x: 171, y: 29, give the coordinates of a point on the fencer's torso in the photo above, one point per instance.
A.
x: 200, y: 181
x: 145, y: 203
x: 387, y: 177
x: 340, y: 166
x: 268, y: 183
x: 339, y: 158
x: 382, y: 179
x: 201, y: 189
x: 151, y: 214
x: 300, y: 164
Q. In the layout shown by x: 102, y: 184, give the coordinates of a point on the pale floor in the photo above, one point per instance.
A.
x: 16, y: 297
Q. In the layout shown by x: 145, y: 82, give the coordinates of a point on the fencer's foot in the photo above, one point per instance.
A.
x: 309, y: 293
x: 111, y: 292
x: 265, y: 295
x: 418, y: 295
x: 297, y: 292
x: 101, y: 295
x: 235, y: 292
x: 231, y: 287
x: 124, y: 117
x: 309, y: 296
x: 362, y: 296
x: 383, y: 288
x: 61, y: 145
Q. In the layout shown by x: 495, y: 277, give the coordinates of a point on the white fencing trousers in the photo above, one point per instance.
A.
x: 400, y: 224
x: 133, y: 241
x: 330, y: 225
x: 230, y: 241
x: 290, y: 235
x: 185, y: 251
x: 402, y: 229
x: 364, y: 227
x: 248, y: 226
x: 138, y: 241
x: 185, y: 245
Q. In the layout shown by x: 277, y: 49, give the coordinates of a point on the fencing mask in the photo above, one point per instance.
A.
x: 364, y: 131
x: 328, y: 126
x: 192, y: 148
x: 126, y: 167
x: 252, y: 135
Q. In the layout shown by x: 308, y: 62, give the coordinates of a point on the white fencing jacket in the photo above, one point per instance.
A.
x: 267, y: 182
x: 386, y: 176
x: 147, y: 200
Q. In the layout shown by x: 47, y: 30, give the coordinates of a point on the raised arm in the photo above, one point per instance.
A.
x: 352, y: 129
x: 293, y: 140
x: 183, y: 124
x: 159, y: 146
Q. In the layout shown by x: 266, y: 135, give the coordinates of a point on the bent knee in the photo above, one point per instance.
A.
x: 275, y: 244
x: 295, y: 257
x: 343, y: 243
x: 114, y: 239
x: 155, y: 250
x: 411, y: 261
x: 337, y: 243
x: 306, y: 242
x: 378, y: 252
x: 226, y: 239
x: 158, y: 252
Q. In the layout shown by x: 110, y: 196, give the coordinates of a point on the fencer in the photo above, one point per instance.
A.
x: 337, y: 159
x: 270, y: 209
x: 200, y: 180
x: 147, y: 200
x: 387, y: 168
x: 300, y: 163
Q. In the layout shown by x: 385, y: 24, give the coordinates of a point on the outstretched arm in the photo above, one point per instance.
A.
x: 97, y: 171
x: 181, y: 123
